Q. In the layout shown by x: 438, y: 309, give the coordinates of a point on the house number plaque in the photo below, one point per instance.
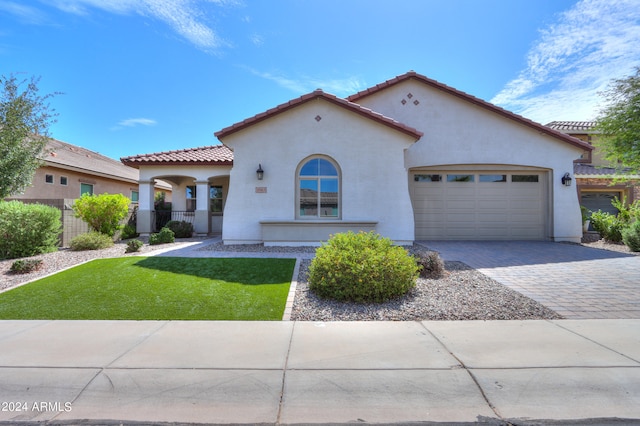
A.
x: 261, y: 189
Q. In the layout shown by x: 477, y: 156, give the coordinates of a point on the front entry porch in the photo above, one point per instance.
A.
x: 197, y: 201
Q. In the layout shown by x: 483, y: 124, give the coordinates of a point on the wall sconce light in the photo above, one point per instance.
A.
x: 566, y: 179
x: 260, y: 172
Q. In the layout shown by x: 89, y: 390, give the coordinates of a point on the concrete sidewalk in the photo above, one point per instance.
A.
x: 154, y: 372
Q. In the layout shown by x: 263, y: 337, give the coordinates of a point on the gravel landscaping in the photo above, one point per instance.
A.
x: 463, y: 294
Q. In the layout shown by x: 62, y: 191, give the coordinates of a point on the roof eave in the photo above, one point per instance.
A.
x: 89, y: 172
x: 137, y: 164
x: 318, y: 94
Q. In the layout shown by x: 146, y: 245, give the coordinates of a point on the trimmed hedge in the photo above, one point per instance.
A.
x: 165, y: 236
x: 25, y: 266
x: 431, y: 264
x: 91, y: 241
x: 362, y: 268
x: 631, y: 236
x: 28, y: 229
x: 134, y: 246
x: 181, y: 229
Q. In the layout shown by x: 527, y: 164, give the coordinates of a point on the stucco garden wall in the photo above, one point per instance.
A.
x: 370, y: 157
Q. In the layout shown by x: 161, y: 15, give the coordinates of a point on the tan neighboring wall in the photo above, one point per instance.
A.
x: 40, y: 189
x: 626, y: 189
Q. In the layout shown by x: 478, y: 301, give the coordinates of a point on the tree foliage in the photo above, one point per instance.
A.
x: 103, y: 213
x: 619, y: 122
x: 25, y: 117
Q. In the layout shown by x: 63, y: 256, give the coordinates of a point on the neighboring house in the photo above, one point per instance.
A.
x: 597, y: 180
x: 410, y: 158
x: 70, y: 171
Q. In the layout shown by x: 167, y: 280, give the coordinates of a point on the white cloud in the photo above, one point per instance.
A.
x: 185, y: 17
x: 302, y: 85
x: 257, y: 39
x: 574, y: 59
x: 27, y: 14
x: 134, y: 122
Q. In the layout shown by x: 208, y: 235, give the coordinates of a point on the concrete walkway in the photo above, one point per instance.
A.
x: 160, y: 372
x: 577, y: 282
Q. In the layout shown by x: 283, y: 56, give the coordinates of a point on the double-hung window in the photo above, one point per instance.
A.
x: 318, y: 190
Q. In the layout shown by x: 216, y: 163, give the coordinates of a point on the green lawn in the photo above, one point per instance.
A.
x: 157, y: 288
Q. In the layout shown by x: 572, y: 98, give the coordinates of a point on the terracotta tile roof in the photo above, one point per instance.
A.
x: 72, y: 157
x: 469, y: 98
x: 319, y: 94
x: 214, y: 155
x: 572, y: 126
x: 588, y: 170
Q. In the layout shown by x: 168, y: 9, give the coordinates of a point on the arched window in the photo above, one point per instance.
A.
x: 318, y: 189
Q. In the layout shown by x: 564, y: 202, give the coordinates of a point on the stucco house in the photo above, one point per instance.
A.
x: 597, y: 180
x: 411, y: 158
x: 68, y: 171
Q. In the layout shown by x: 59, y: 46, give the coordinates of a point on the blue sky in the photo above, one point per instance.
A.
x: 142, y: 76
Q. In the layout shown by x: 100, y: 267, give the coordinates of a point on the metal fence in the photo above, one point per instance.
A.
x: 162, y: 217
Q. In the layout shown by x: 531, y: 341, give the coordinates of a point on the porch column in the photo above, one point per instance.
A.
x: 145, y: 207
x: 201, y: 225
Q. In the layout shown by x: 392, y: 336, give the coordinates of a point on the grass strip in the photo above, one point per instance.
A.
x: 157, y: 288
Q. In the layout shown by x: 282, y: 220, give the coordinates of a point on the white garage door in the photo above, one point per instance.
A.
x: 479, y: 205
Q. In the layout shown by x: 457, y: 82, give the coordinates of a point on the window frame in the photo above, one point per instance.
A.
x: 212, y: 199
x: 49, y: 179
x: 64, y: 181
x: 82, y: 185
x: 191, y: 203
x: 319, y: 178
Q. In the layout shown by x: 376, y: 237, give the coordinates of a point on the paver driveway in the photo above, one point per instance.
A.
x: 577, y: 282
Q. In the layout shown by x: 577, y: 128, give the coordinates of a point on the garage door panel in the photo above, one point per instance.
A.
x: 525, y: 194
x: 492, y: 191
x: 460, y: 204
x: 459, y: 190
x: 427, y: 191
x: 479, y: 210
x: 520, y: 205
x: 488, y: 218
x: 493, y: 204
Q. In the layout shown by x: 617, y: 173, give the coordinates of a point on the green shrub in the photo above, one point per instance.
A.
x: 165, y: 236
x: 129, y: 231
x: 181, y: 229
x: 103, y: 213
x: 608, y: 226
x: 133, y: 246
x: 362, y: 267
x: 91, y: 241
x: 432, y: 265
x: 631, y: 236
x: 627, y: 213
x: 24, y: 266
x: 28, y: 229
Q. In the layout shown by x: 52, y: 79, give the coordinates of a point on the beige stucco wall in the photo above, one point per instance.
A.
x: 457, y: 132
x: 370, y: 156
x: 42, y: 190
